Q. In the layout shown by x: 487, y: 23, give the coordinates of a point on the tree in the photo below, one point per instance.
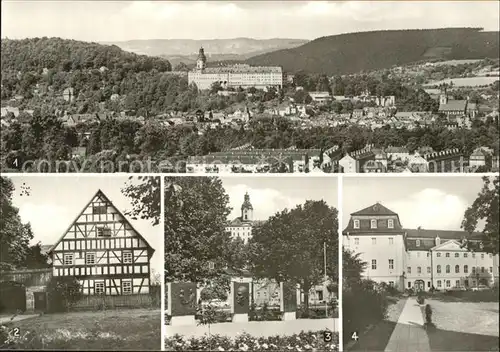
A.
x: 145, y: 198
x: 352, y: 267
x: 14, y: 235
x: 289, y: 247
x: 195, y: 234
x: 485, y: 209
x: 35, y: 259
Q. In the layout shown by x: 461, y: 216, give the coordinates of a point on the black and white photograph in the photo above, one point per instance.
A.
x: 251, y: 263
x: 80, y: 263
x: 250, y: 86
x: 421, y: 263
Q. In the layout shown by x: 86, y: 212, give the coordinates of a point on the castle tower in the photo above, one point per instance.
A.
x: 202, y: 60
x: 443, y: 99
x: 247, y: 209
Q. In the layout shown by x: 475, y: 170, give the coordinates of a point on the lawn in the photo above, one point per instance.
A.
x: 469, y: 317
x: 464, y: 326
x: 377, y: 338
x: 131, y: 329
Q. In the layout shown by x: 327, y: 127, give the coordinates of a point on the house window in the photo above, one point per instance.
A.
x: 103, y: 231
x: 374, y: 240
x: 391, y: 240
x: 473, y: 269
x: 373, y: 224
x: 409, y: 284
x: 457, y: 255
x: 99, y: 287
x: 447, y: 269
x: 356, y: 224
x: 409, y: 270
x: 482, y: 255
x: 482, y: 269
x: 320, y: 295
x: 466, y: 269
x: 457, y: 283
x: 439, y: 269
x: 391, y: 283
x: 99, y: 209
x: 90, y: 258
x: 126, y: 287
x: 356, y: 241
x: 428, y: 270
x: 428, y: 284
x: 448, y: 283
x: 127, y: 257
x: 438, y: 254
x: 457, y: 269
x: 491, y: 269
x: 391, y: 264
x: 447, y: 255
x: 439, y: 283
x: 465, y: 255
x: 419, y: 270
x: 374, y: 264
x: 390, y: 223
x: 68, y: 259
x: 418, y: 243
x: 473, y: 255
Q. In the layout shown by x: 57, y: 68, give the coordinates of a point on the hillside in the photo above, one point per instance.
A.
x: 58, y: 54
x: 180, y: 50
x: 354, y: 52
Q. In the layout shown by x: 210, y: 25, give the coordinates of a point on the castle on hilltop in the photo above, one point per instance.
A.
x: 240, y: 75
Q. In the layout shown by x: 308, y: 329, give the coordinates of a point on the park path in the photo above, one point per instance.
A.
x: 8, y: 318
x: 409, y: 334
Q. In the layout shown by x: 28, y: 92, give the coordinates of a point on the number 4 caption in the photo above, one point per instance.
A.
x: 355, y: 336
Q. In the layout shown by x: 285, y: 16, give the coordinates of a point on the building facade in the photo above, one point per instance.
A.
x: 242, y: 226
x: 244, y: 76
x: 103, y: 252
x: 416, y: 259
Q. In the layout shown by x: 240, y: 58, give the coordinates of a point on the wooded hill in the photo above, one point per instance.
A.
x: 355, y: 52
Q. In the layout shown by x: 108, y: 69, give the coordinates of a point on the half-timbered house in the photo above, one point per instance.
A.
x: 103, y: 251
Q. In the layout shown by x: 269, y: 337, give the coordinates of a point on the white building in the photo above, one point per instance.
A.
x: 407, y: 258
x: 235, y: 76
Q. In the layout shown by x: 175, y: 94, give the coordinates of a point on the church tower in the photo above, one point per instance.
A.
x: 246, y: 209
x: 443, y: 99
x: 202, y: 60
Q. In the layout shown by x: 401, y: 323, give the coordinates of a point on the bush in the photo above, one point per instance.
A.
x: 244, y: 342
x: 420, y: 298
x: 363, y: 304
x: 63, y: 292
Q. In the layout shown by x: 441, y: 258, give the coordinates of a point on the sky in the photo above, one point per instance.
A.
x: 54, y: 202
x: 103, y: 21
x: 434, y: 203
x: 270, y: 195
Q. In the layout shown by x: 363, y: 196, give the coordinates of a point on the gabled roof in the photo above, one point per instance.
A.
x: 454, y: 105
x: 101, y: 194
x: 375, y: 209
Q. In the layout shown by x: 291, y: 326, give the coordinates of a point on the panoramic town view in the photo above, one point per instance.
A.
x: 251, y: 263
x: 357, y: 97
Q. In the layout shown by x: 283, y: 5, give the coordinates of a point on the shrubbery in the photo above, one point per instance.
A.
x: 63, y: 292
x: 305, y: 341
x: 364, y: 303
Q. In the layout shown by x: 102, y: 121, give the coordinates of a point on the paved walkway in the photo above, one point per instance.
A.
x: 409, y: 335
x: 255, y: 328
x: 7, y: 318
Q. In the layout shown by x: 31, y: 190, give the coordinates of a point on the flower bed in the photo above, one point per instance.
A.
x: 305, y: 341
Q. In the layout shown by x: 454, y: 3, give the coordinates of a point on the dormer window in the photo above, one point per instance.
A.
x: 356, y: 224
x: 417, y: 243
x: 373, y: 223
x: 390, y: 223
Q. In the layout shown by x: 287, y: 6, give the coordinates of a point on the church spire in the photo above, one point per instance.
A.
x: 246, y: 209
x: 202, y: 59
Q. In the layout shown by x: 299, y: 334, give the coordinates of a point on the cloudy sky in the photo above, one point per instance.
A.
x: 126, y: 20
x: 434, y: 203
x: 54, y: 203
x: 270, y: 195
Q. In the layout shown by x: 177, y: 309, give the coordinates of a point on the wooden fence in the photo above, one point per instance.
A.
x: 151, y: 300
